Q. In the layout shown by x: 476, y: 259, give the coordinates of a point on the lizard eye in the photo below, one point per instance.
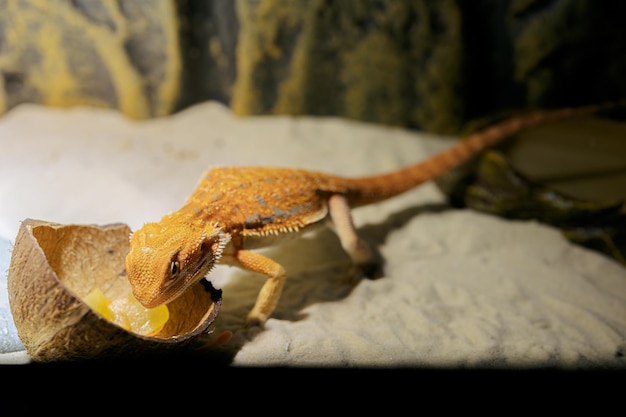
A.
x: 174, y: 268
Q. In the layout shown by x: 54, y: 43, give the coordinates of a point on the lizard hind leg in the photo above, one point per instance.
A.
x: 366, y: 260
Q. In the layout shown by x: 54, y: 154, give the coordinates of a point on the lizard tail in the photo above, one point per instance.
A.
x: 376, y: 188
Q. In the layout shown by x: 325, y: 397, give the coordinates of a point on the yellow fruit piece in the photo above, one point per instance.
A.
x: 128, y: 313
x: 145, y: 321
x: 98, y: 302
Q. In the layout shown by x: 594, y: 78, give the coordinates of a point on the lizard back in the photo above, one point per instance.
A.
x: 258, y: 203
x: 261, y: 202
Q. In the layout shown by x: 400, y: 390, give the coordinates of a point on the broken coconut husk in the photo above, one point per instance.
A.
x: 54, y: 267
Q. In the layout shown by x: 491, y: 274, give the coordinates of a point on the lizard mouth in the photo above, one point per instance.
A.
x: 200, y: 270
x: 190, y: 274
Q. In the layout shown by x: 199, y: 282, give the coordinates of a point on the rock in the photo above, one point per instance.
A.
x: 418, y: 64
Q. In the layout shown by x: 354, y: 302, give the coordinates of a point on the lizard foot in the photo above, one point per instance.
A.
x: 370, y: 265
x: 254, y: 321
x: 369, y: 270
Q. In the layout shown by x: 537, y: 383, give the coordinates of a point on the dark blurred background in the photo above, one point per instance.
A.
x: 420, y: 64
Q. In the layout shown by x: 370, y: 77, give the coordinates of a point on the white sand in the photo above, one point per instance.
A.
x: 460, y: 288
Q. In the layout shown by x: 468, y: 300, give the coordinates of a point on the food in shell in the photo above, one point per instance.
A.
x: 54, y: 267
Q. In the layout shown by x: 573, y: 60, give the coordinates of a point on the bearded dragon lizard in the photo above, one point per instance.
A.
x: 234, y: 210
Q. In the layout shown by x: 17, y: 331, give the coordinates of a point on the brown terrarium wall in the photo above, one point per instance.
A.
x: 431, y: 65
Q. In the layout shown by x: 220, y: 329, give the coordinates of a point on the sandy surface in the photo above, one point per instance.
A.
x: 459, y: 288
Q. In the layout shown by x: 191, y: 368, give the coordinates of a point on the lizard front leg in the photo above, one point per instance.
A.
x: 363, y: 257
x: 270, y: 292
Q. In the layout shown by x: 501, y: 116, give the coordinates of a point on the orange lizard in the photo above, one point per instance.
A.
x: 234, y: 210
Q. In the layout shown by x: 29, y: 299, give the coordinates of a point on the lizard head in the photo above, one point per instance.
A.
x: 164, y: 260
